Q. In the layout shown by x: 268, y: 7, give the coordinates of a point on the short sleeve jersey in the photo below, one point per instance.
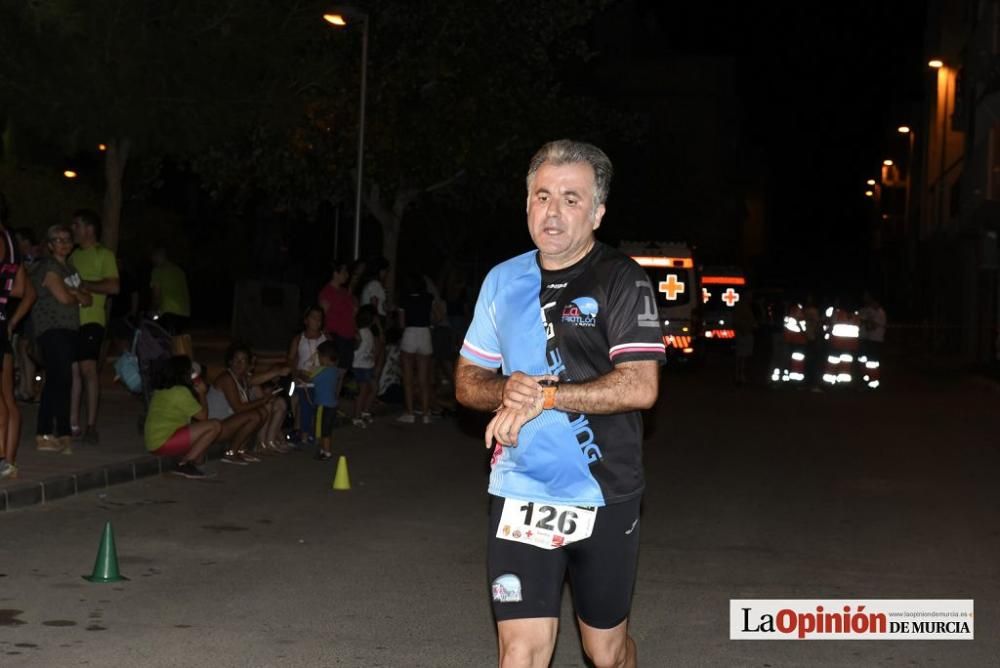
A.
x: 169, y: 410
x: 578, y: 323
x: 94, y: 264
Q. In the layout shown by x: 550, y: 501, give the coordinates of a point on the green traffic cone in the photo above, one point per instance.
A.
x: 106, y: 566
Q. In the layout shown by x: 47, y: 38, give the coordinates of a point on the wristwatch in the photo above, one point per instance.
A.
x: 549, y: 395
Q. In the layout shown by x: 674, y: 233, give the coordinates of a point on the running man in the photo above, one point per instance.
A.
x: 573, y: 327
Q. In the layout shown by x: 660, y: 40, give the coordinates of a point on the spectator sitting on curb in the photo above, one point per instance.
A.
x: 238, y: 390
x: 179, y: 399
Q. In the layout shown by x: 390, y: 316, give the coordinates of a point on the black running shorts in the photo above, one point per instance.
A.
x: 601, y: 570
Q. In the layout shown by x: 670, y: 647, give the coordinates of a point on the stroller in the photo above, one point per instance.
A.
x: 137, y: 368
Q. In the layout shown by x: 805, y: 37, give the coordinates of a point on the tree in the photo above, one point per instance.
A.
x: 459, y: 96
x: 157, y: 77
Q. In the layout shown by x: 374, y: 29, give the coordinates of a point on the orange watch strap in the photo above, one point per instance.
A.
x: 549, y: 394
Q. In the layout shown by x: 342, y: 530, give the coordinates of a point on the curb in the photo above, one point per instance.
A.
x: 61, y: 486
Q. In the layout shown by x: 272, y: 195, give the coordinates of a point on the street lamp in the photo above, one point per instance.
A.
x: 869, y: 193
x: 936, y: 63
x: 870, y: 182
x: 69, y: 174
x: 905, y: 130
x: 340, y: 18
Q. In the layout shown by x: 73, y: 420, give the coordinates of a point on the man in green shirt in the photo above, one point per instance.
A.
x: 169, y: 292
x: 98, y: 270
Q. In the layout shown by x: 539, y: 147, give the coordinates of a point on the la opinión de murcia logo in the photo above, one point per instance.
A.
x: 828, y: 620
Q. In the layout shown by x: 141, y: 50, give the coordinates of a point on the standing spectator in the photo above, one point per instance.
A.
x: 24, y: 334
x: 415, y: 347
x: 364, y: 365
x: 56, y: 317
x: 303, y: 359
x: 14, y: 284
x: 373, y: 286
x: 338, y: 307
x: 358, y: 270
x: 324, y: 380
x: 98, y: 269
x: 873, y: 324
x: 169, y: 296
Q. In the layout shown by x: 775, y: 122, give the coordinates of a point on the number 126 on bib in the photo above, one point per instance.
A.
x: 545, y: 525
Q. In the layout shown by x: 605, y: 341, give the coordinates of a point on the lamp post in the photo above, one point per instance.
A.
x: 906, y: 130
x: 340, y: 17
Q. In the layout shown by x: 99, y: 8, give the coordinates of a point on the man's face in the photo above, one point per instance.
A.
x: 79, y: 231
x: 561, y: 213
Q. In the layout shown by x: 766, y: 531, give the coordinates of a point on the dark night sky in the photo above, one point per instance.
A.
x: 822, y: 88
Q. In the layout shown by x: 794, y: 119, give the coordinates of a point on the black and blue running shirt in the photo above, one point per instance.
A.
x: 577, y: 322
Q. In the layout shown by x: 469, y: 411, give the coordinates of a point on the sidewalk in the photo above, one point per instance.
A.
x: 120, y: 456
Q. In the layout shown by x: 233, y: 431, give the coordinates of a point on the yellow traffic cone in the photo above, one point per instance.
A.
x: 342, y: 481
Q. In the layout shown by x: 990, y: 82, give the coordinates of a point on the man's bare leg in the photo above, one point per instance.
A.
x: 527, y: 643
x: 608, y: 648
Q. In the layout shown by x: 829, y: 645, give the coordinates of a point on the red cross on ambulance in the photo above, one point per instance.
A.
x: 671, y: 287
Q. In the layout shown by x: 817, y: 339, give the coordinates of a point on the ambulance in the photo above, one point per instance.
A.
x: 722, y: 289
x: 672, y: 271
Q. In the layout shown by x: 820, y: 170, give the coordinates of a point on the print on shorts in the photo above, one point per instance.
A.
x: 507, y: 589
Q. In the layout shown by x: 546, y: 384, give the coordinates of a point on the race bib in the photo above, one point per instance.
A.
x: 545, y: 525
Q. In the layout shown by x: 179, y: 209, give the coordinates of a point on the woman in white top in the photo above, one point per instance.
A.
x: 238, y: 390
x: 302, y: 357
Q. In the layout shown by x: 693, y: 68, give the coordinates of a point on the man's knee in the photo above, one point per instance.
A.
x: 526, y: 642
x: 88, y: 368
x: 609, y: 651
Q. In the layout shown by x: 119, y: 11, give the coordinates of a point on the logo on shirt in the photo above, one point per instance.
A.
x: 581, y: 312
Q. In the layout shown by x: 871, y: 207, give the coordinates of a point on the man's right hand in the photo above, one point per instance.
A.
x: 521, y: 391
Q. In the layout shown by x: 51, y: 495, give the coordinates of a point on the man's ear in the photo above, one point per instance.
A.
x: 599, y: 215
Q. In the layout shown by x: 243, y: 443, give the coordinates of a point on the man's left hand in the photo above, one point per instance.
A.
x: 506, y: 424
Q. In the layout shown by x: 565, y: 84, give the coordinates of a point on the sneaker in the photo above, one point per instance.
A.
x: 426, y: 419
x: 90, y: 436
x: 367, y: 417
x: 359, y: 422
x: 48, y: 443
x: 323, y: 455
x: 247, y: 457
x: 232, y: 458
x: 75, y: 432
x: 189, y: 470
x: 7, y: 470
x: 408, y: 418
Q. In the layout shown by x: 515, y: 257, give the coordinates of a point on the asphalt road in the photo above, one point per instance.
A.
x: 751, y: 494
